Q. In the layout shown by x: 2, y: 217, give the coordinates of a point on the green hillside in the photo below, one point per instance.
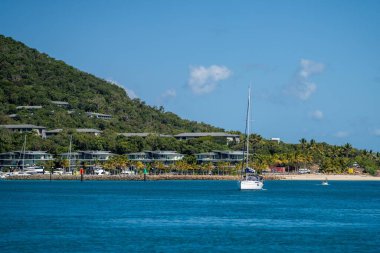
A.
x: 28, y: 77
x: 31, y: 78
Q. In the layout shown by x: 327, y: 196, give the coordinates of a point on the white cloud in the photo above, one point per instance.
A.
x: 317, y: 115
x: 131, y: 94
x: 301, y: 86
x: 376, y: 132
x: 168, y: 94
x: 310, y: 67
x: 205, y: 79
x: 342, y: 134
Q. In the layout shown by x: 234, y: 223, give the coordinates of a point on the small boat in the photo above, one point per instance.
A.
x: 19, y: 174
x: 325, y: 182
x: 250, y: 180
x: 4, y: 175
x: 34, y: 170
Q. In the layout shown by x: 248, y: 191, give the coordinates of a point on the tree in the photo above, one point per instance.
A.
x: 65, y: 164
x: 48, y: 166
x: 347, y: 148
x: 303, y: 143
x: 158, y: 167
x: 139, y: 166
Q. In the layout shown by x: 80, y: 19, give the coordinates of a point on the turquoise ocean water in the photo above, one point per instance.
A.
x: 188, y: 216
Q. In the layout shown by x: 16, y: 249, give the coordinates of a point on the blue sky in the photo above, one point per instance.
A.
x: 314, y: 65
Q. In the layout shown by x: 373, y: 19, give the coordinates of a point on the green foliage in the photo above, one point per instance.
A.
x: 28, y: 77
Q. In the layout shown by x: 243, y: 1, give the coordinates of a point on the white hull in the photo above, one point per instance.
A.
x: 250, y: 185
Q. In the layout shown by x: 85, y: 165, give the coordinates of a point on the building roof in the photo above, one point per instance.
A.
x: 21, y: 126
x: 30, y: 152
x: 88, y: 130
x: 98, y: 114
x: 134, y: 134
x: 58, y: 130
x: 8, y: 153
x: 72, y: 153
x: 208, y: 153
x: 93, y: 152
x: 59, y: 102
x: 36, y: 152
x: 230, y: 152
x: 160, y: 152
x: 29, y: 107
x: 79, y: 130
x: 96, y: 152
x: 137, y: 153
x: 212, y: 134
x: 144, y: 134
x: 163, y: 152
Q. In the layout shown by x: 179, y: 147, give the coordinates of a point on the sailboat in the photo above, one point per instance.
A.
x: 23, y: 171
x: 69, y: 172
x: 249, y: 180
x: 23, y: 154
x: 71, y: 139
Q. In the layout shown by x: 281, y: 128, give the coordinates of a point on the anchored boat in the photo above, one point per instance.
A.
x: 250, y: 180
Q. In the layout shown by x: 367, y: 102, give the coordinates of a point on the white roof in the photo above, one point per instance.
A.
x: 212, y: 134
x: 88, y: 130
x: 22, y: 126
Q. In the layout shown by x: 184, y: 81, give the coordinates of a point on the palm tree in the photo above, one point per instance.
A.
x: 222, y: 167
x: 139, y: 166
x: 159, y: 166
x: 65, y: 164
x: 182, y: 166
x: 108, y: 165
x: 122, y: 162
x: 207, y: 167
x: 303, y: 143
x: 347, y: 148
x: 49, y: 165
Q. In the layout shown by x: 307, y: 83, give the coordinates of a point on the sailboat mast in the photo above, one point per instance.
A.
x: 71, y: 137
x: 23, y: 153
x: 248, y: 124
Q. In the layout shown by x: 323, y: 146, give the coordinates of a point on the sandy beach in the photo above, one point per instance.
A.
x: 320, y: 177
x: 315, y: 177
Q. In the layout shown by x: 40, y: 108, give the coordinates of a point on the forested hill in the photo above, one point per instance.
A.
x: 28, y: 77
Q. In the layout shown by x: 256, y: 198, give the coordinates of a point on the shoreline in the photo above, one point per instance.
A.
x: 289, y: 177
x: 330, y: 177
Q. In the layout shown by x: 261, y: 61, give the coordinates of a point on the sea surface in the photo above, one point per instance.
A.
x: 188, y: 216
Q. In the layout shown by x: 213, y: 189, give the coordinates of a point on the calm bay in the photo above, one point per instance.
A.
x: 189, y: 216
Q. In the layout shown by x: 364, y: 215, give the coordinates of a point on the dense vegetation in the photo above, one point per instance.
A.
x: 28, y: 77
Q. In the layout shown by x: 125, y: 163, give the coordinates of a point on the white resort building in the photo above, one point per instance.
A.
x: 99, y: 115
x: 220, y: 135
x: 232, y: 157
x: 24, y: 159
x: 166, y: 157
x: 89, y: 158
x: 26, y: 128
